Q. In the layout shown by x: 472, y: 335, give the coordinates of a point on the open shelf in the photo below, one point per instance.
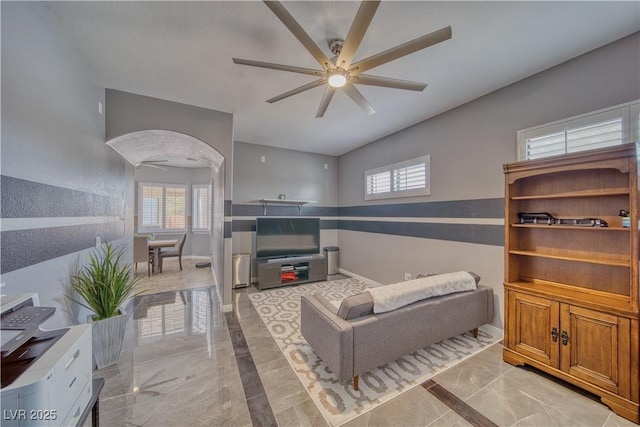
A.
x: 291, y: 271
x: 299, y: 203
x: 573, y: 293
x: 569, y: 227
x: 600, y: 192
x: 615, y: 262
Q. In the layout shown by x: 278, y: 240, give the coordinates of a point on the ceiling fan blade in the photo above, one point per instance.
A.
x: 326, y: 99
x: 402, y: 50
x: 356, y: 33
x: 366, y: 79
x: 151, y: 165
x: 280, y: 67
x: 278, y: 9
x: 308, y: 86
x: 357, y: 97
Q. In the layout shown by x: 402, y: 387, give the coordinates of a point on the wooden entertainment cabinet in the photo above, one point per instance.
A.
x: 571, y: 291
x: 291, y: 271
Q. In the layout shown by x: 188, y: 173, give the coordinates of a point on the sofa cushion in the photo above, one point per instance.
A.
x: 356, y: 306
x: 327, y: 303
x: 391, y: 297
x: 362, y: 304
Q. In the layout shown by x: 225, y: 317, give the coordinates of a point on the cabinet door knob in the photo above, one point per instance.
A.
x: 565, y: 337
x: 554, y: 334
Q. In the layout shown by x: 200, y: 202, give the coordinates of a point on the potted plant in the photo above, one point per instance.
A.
x: 103, y: 286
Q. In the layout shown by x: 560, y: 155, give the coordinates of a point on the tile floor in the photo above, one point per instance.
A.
x: 185, y: 363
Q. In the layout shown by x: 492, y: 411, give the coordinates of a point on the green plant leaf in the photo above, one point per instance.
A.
x: 105, y: 283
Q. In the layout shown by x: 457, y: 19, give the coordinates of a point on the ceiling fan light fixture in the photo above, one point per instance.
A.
x: 340, y: 71
x: 337, y: 79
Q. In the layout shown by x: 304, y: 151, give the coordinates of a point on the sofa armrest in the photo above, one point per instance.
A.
x: 330, y: 336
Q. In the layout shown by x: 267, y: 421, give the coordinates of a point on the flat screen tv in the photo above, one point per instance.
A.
x: 282, y: 237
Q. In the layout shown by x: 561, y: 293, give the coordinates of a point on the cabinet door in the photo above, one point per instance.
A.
x: 531, y: 322
x: 593, y: 346
x: 269, y: 274
x: 317, y: 269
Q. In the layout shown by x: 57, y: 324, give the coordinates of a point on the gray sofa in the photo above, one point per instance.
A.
x: 353, y: 340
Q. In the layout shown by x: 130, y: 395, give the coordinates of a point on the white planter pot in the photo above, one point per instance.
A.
x: 107, y: 336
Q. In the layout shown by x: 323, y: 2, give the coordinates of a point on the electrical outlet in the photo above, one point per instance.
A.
x: 407, y: 276
x: 98, y: 241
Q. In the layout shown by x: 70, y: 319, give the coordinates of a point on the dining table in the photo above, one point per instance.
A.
x: 156, y: 246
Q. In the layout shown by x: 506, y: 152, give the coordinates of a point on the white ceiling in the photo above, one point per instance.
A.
x: 181, y: 51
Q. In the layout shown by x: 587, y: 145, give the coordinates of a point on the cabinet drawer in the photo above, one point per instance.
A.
x: 70, y: 375
x: 79, y: 406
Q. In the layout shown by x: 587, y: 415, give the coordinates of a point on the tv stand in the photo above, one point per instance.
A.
x: 287, y: 271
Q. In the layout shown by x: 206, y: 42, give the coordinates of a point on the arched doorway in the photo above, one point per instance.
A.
x: 136, y: 147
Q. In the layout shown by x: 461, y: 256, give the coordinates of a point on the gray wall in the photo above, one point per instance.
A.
x: 197, y: 244
x: 298, y: 175
x: 61, y: 185
x: 460, y: 226
x: 127, y: 113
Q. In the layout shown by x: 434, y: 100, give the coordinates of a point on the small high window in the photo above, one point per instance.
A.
x: 605, y: 128
x: 403, y: 179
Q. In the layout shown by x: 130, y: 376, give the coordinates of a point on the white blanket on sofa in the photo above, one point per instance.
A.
x: 390, y: 297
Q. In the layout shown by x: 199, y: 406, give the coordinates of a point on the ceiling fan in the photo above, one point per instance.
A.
x: 154, y: 164
x: 340, y: 72
x: 165, y: 163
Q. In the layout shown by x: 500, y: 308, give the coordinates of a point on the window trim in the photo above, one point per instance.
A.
x: 628, y: 112
x: 140, y: 226
x: 194, y: 229
x: 394, y: 193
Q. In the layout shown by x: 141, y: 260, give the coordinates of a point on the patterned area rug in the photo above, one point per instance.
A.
x: 338, y: 402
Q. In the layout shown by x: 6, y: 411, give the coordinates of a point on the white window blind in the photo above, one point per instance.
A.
x: 404, y: 179
x: 152, y: 207
x: 605, y: 128
x: 379, y: 183
x: 201, y: 208
x: 162, y: 207
x: 410, y: 177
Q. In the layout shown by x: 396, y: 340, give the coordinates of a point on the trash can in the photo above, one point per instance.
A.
x: 241, y: 270
x: 332, y: 254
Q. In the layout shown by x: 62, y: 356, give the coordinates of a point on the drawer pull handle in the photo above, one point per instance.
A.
x: 73, y: 359
x: 73, y: 381
x: 565, y: 337
x: 554, y: 334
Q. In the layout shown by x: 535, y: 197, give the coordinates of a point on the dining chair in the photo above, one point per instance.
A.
x: 177, y: 252
x: 141, y: 253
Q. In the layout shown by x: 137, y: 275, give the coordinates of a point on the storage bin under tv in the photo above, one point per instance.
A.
x: 273, y: 273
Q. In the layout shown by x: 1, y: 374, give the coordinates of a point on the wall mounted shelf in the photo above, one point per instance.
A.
x: 299, y: 203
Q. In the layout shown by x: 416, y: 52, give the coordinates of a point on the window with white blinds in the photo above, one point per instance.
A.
x: 162, y: 207
x: 613, y: 126
x: 378, y: 183
x: 404, y: 179
x: 201, y: 208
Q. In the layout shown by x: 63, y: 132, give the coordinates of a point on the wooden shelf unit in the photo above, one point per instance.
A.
x: 571, y: 292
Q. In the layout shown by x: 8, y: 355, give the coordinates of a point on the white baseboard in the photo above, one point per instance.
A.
x: 357, y: 276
